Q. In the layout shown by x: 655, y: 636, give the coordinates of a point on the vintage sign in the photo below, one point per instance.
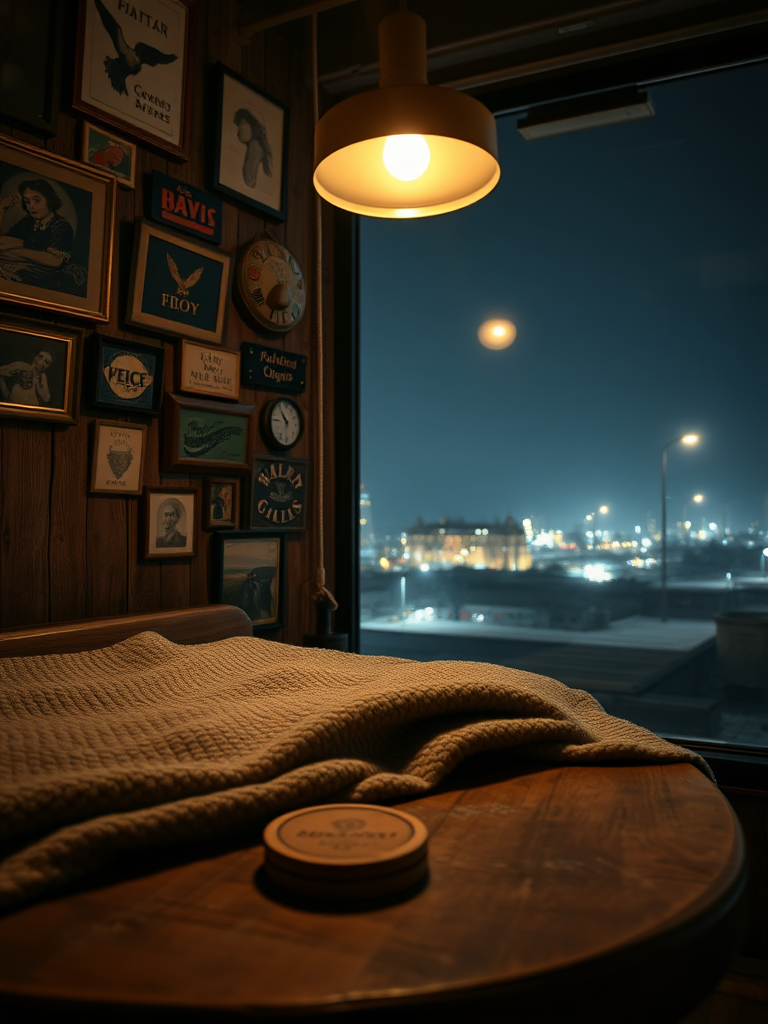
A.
x: 204, y: 370
x: 273, y: 368
x: 126, y: 375
x: 279, y: 493
x: 185, y: 207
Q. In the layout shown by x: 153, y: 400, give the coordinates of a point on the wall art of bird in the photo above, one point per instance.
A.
x: 183, y: 283
x: 129, y: 60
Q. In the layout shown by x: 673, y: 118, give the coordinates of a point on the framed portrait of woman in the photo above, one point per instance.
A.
x: 133, y: 69
x: 56, y: 226
x: 250, y: 144
x: 39, y: 370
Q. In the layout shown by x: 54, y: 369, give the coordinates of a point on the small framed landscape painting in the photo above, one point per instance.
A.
x: 250, y: 144
x: 109, y: 153
x: 222, y: 503
x: 170, y: 522
x: 118, y: 457
x: 125, y: 375
x: 248, y: 570
x: 178, y: 285
x: 39, y: 370
x: 202, y: 435
x: 205, y: 370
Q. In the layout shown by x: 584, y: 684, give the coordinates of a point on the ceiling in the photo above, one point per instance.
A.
x: 477, y: 44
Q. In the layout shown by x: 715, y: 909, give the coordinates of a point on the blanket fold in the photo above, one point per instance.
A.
x: 149, y: 743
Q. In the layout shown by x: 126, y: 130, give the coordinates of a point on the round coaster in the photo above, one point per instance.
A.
x: 352, y: 844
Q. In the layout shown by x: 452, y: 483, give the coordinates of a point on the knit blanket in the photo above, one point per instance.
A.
x: 149, y: 743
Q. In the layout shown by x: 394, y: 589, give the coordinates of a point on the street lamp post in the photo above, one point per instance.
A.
x: 686, y: 439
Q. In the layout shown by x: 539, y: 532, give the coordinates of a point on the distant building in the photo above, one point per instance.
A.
x: 449, y: 543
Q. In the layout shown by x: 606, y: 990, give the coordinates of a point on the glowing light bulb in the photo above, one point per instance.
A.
x: 406, y: 157
x: 497, y: 334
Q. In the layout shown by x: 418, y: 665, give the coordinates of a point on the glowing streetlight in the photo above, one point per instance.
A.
x: 590, y: 517
x: 688, y: 439
x: 497, y: 334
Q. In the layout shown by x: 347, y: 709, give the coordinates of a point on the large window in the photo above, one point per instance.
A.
x: 512, y: 498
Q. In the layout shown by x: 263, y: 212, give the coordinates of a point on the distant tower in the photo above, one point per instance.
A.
x: 367, y: 538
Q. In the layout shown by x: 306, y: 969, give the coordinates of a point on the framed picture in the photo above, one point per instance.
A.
x: 64, y: 210
x: 222, y: 503
x: 29, y: 86
x: 248, y: 570
x: 178, y: 285
x: 204, y: 370
x: 279, y: 492
x: 170, y: 522
x: 109, y: 153
x: 118, y: 457
x: 125, y: 375
x: 39, y: 370
x: 202, y: 435
x: 250, y: 144
x: 132, y: 69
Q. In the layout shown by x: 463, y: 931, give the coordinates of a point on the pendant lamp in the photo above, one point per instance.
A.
x: 406, y: 149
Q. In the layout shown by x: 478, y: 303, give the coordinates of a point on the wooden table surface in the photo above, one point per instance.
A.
x: 595, y: 893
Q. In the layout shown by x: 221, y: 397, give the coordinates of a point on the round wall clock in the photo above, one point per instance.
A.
x: 281, y: 423
x: 271, y: 285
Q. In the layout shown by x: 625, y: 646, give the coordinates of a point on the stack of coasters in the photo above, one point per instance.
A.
x: 345, y: 851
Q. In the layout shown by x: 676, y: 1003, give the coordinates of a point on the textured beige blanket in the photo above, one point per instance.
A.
x: 149, y: 743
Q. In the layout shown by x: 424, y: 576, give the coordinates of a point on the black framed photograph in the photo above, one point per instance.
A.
x: 170, y: 522
x: 56, y: 226
x: 107, y: 152
x: 133, y: 69
x: 125, y: 375
x: 221, y: 506
x: 279, y: 493
x: 248, y: 570
x: 250, y: 144
x: 29, y: 84
x: 117, y: 462
x: 178, y: 286
x: 39, y: 370
x: 200, y: 435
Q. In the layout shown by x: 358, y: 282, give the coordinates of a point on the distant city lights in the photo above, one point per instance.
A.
x: 497, y: 334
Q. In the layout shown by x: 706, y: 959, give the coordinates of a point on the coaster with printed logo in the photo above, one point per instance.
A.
x: 345, y: 851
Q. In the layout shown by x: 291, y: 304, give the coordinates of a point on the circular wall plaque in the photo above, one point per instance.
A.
x: 271, y: 285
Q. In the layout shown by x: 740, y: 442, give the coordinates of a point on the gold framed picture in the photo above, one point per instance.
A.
x: 39, y: 370
x: 221, y: 509
x: 56, y: 227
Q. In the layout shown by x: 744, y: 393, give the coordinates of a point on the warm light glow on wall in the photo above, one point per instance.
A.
x: 496, y: 334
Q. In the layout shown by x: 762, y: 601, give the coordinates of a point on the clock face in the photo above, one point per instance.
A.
x: 282, y: 423
x: 271, y: 285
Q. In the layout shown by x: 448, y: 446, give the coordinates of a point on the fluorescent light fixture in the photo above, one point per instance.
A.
x: 591, y: 112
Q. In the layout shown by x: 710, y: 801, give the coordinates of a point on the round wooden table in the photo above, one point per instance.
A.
x: 554, y: 893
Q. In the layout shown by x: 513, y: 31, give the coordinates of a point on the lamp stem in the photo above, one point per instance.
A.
x: 664, y: 534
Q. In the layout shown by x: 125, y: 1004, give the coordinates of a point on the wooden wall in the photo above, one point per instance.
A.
x: 67, y: 554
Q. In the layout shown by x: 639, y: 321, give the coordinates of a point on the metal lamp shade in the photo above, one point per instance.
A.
x: 459, y: 130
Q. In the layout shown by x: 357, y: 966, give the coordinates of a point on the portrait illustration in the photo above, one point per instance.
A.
x: 170, y: 522
x: 252, y: 129
x: 222, y: 505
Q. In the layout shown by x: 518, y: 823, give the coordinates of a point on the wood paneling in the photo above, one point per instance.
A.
x: 65, y: 553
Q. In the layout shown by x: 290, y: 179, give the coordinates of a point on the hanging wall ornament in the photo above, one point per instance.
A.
x: 270, y: 284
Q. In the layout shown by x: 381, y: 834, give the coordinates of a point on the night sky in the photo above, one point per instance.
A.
x: 633, y: 260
